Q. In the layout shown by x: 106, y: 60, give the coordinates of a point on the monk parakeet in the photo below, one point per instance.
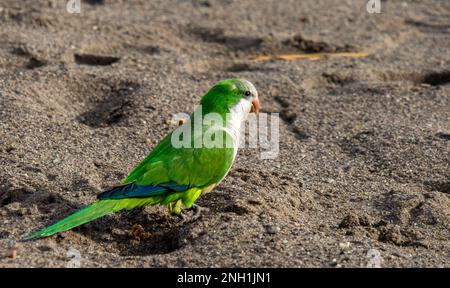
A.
x: 175, y: 175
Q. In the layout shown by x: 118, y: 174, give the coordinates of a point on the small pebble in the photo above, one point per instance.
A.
x: 344, y: 245
x: 334, y: 263
x: 12, y: 254
x: 271, y: 229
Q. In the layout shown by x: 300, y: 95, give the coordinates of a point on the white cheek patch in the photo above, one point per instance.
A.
x: 235, y: 118
x: 239, y: 113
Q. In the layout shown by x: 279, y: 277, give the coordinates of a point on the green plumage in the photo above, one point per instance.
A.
x: 158, y: 178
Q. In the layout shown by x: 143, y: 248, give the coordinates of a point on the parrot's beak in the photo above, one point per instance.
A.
x: 255, y: 105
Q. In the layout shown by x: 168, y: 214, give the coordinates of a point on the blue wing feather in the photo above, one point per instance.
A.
x: 132, y: 190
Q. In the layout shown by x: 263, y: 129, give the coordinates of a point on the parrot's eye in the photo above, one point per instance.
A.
x: 248, y: 93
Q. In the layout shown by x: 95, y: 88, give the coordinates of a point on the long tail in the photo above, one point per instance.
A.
x: 93, y: 211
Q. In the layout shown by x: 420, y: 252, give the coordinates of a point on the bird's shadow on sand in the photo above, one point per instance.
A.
x: 157, y: 233
x: 165, y: 233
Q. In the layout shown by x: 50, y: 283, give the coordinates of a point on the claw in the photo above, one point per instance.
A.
x: 197, y: 211
x: 182, y: 217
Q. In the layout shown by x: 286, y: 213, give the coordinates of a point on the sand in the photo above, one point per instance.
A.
x: 363, y: 167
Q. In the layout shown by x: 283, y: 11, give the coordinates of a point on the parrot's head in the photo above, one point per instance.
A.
x: 236, y: 96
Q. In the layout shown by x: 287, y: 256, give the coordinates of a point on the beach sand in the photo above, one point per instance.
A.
x: 363, y: 164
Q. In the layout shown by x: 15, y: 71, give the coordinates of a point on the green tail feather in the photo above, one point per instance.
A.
x: 91, y: 212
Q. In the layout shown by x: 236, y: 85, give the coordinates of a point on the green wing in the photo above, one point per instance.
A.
x: 195, y: 167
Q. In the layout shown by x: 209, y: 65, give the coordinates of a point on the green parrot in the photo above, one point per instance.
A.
x: 176, y: 176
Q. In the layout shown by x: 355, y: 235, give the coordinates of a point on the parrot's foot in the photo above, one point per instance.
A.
x: 183, y: 218
x: 197, y: 213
